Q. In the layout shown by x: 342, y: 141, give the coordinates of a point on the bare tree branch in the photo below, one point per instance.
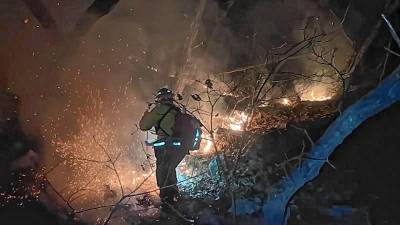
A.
x: 112, y: 163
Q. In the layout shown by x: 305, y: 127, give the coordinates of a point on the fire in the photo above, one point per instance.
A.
x: 237, y: 120
x: 322, y: 90
x: 286, y: 101
x: 316, y: 93
x: 234, y: 122
x: 208, y: 146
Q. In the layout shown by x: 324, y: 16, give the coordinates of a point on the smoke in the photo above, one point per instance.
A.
x: 75, y: 87
x: 78, y: 89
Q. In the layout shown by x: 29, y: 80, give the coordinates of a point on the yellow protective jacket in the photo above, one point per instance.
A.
x: 152, y: 119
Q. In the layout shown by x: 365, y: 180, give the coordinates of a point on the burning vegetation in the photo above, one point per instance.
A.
x: 256, y: 108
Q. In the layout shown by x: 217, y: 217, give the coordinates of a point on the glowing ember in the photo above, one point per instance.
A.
x: 97, y: 161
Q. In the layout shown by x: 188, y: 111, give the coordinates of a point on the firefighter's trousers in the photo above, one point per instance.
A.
x: 167, y: 161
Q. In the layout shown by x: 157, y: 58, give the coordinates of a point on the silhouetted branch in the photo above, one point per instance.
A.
x: 96, y: 11
x: 112, y: 163
x: 41, y: 13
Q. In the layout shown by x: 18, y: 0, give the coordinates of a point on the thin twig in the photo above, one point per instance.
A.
x: 179, y: 214
x: 123, y: 198
x: 305, y: 132
x: 147, y: 157
x: 59, y: 194
x: 69, y: 200
x: 385, y: 63
x: 54, y: 167
x: 392, y: 52
x: 112, y: 162
x: 391, y: 30
x: 138, y: 194
x: 345, y: 13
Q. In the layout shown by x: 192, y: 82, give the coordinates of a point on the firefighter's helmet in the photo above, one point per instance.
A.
x: 164, y: 94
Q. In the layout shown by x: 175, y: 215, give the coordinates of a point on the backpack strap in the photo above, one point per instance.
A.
x: 158, y: 125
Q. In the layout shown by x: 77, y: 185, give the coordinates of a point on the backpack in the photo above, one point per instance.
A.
x: 188, y: 130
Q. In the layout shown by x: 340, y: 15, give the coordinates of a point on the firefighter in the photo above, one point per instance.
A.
x: 162, y: 118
